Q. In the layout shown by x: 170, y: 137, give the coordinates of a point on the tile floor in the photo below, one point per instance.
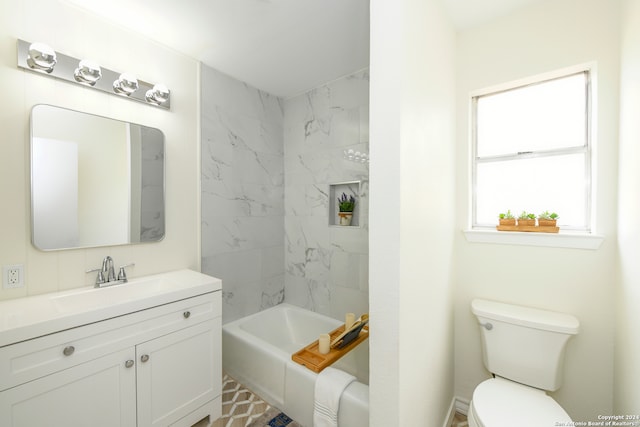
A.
x: 240, y: 406
x: 459, y: 421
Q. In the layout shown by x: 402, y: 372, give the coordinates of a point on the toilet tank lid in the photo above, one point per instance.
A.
x: 526, y: 316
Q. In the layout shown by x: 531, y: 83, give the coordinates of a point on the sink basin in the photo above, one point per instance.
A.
x: 103, y: 297
x: 25, y: 318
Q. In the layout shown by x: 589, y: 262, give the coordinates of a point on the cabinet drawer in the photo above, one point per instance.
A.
x: 28, y: 360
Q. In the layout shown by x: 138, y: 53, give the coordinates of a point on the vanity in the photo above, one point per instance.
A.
x: 144, y: 353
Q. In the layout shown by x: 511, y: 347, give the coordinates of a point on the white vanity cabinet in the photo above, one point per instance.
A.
x: 158, y: 366
x: 100, y: 392
x: 176, y: 375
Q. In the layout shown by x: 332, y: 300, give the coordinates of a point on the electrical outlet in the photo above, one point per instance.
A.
x: 13, y: 276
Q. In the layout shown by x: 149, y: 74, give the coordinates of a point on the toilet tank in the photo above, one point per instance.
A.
x: 524, y: 344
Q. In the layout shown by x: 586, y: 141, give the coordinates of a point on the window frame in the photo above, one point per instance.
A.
x: 586, y: 149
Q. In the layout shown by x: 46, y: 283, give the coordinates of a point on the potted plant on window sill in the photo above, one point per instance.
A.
x: 507, y: 218
x: 527, y: 219
x: 546, y: 219
x: 346, y: 204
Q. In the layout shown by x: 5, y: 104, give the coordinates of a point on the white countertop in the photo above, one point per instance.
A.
x: 30, y: 317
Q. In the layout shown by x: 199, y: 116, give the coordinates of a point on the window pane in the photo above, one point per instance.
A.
x: 543, y: 116
x: 556, y: 184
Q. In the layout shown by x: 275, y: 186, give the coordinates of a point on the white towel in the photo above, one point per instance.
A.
x: 330, y: 384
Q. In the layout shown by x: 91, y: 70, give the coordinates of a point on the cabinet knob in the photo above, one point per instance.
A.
x: 186, y: 314
x: 68, y: 350
x: 129, y: 363
x: 144, y: 358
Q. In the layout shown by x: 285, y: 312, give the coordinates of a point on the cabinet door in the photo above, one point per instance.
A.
x: 178, y: 373
x: 98, y: 393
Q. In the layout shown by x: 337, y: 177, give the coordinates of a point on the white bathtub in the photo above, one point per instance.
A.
x: 257, y: 349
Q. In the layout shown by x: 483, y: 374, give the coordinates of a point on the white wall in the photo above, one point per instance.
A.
x: 76, y: 33
x: 55, y: 192
x: 411, y: 227
x: 543, y: 37
x: 109, y: 146
x: 627, y: 360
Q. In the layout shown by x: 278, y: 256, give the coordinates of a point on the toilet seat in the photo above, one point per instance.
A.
x: 502, y: 403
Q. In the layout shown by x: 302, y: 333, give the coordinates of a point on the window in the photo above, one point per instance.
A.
x: 531, y: 152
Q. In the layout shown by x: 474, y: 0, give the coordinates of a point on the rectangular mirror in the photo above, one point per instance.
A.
x: 95, y: 181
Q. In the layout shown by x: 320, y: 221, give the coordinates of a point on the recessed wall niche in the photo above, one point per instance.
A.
x: 350, y: 188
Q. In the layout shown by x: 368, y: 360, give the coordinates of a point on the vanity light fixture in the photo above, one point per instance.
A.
x: 41, y: 57
x: 88, y: 72
x: 126, y: 84
x: 159, y: 94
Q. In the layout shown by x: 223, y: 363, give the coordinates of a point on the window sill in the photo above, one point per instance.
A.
x: 559, y: 240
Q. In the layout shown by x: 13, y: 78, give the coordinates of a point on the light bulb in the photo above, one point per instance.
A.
x: 41, y: 57
x: 126, y: 84
x: 158, y: 95
x: 87, y: 72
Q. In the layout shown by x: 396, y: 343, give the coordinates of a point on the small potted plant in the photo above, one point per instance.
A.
x: 527, y: 219
x: 546, y: 219
x: 507, y: 218
x: 346, y: 204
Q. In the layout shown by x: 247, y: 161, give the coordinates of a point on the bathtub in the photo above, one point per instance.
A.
x: 257, y: 349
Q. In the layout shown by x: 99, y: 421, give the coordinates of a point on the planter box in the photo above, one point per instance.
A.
x: 528, y: 228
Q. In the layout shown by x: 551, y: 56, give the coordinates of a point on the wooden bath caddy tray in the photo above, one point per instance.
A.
x: 311, y: 357
x: 532, y: 228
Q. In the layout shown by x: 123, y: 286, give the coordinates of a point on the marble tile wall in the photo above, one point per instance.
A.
x: 267, y: 167
x: 242, y: 193
x: 326, y: 266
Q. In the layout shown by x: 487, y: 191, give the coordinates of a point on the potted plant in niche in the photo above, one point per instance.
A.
x: 346, y: 204
x: 546, y: 219
x: 528, y: 219
x: 507, y: 218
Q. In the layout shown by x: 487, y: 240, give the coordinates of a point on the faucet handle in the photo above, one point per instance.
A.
x: 100, y: 278
x: 122, y: 275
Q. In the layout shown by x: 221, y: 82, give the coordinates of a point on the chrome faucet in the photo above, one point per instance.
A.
x: 107, y: 274
x: 107, y: 269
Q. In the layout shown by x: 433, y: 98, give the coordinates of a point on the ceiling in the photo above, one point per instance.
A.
x: 284, y: 47
x: 469, y: 13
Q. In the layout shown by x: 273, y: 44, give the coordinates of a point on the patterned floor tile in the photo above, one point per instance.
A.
x: 240, y: 406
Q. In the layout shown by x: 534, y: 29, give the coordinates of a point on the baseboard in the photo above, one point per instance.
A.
x: 452, y: 411
x: 461, y: 405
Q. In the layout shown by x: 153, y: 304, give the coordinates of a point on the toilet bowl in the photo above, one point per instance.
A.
x: 502, y: 403
x: 524, y: 349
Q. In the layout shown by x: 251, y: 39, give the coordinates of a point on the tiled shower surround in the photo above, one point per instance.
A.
x: 242, y: 193
x: 326, y: 267
x: 267, y: 164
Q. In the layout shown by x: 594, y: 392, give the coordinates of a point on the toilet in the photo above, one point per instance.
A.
x: 524, y: 349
